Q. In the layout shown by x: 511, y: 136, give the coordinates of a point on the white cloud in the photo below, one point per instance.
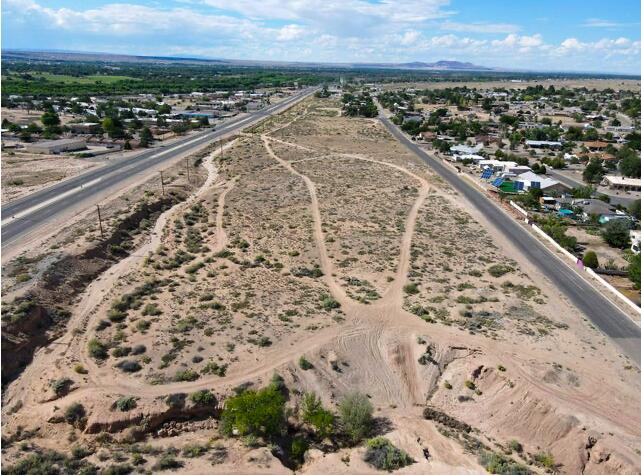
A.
x: 513, y: 40
x: 410, y: 37
x: 609, y: 24
x: 312, y: 30
x: 290, y: 32
x: 480, y: 27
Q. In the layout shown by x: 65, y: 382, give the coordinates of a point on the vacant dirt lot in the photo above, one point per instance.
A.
x: 318, y: 235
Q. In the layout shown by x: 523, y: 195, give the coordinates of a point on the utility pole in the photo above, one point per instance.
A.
x: 188, y: 180
x: 221, y: 149
x: 162, y: 184
x: 102, y: 232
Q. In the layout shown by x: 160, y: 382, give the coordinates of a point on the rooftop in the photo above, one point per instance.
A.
x: 621, y: 180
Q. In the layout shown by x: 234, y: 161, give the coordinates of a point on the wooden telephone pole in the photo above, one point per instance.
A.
x: 162, y: 183
x: 102, y: 232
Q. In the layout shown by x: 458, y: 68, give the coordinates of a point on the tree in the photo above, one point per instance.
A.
x: 113, y: 127
x: 617, y: 233
x: 254, y: 412
x: 634, y: 270
x: 50, y: 119
x: 509, y: 120
x: 591, y: 260
x: 179, y: 129
x: 164, y: 109
x: 355, y: 412
x: 635, y: 209
x: 630, y: 163
x: 314, y: 414
x: 594, y: 171
x: 145, y: 137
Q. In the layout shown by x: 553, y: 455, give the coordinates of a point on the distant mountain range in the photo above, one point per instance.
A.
x: 122, y: 58
x: 438, y: 65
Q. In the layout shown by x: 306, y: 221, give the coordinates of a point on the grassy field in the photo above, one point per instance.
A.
x: 66, y: 79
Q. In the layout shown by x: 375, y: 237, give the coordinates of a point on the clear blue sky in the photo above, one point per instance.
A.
x: 578, y: 35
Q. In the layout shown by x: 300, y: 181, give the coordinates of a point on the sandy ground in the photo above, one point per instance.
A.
x: 23, y: 173
x: 306, y: 239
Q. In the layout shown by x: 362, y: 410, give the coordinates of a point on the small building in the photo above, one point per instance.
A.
x: 487, y: 140
x: 620, y: 129
x: 412, y: 117
x: 56, y: 146
x: 595, y: 146
x: 465, y: 150
x: 591, y: 206
x: 543, y: 144
x: 532, y: 180
x: 428, y: 135
x: 84, y: 127
x: 496, y: 165
x: 622, y: 183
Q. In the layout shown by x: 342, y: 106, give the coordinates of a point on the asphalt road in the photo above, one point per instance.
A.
x: 614, y: 199
x: 599, y: 310
x: 26, y: 214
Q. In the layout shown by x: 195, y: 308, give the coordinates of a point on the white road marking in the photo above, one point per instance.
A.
x: 61, y: 196
x: 51, y: 200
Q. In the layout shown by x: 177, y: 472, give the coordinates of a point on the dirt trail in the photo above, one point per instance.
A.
x: 396, y: 376
x: 378, y: 339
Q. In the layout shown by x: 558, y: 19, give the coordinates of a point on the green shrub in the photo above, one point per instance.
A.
x: 119, y: 469
x: 298, y: 449
x: 75, y: 413
x: 214, y: 368
x: 126, y: 403
x: 498, y: 270
x: 129, y: 366
x: 204, y: 397
x: 411, y: 288
x: 313, y: 413
x: 515, y: 446
x: 383, y: 455
x: 260, y: 413
x: 116, y: 316
x: 194, y: 450
x: 61, y: 386
x: 80, y: 369
x: 329, y: 303
x: 167, y: 462
x: 120, y: 351
x: 634, y: 271
x: 545, y: 460
x: 470, y: 385
x: 48, y: 462
x: 97, y: 349
x: 304, y: 364
x: 186, y: 375
x: 355, y: 412
x: 617, y: 233
x: 151, y: 310
x: 591, y: 260
x: 495, y: 463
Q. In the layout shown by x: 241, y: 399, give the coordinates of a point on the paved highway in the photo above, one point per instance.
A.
x: 27, y: 214
x: 601, y: 312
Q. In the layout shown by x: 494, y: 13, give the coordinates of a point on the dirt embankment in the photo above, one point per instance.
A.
x: 38, y: 317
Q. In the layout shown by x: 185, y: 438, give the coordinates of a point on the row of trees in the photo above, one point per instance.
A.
x: 359, y: 105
